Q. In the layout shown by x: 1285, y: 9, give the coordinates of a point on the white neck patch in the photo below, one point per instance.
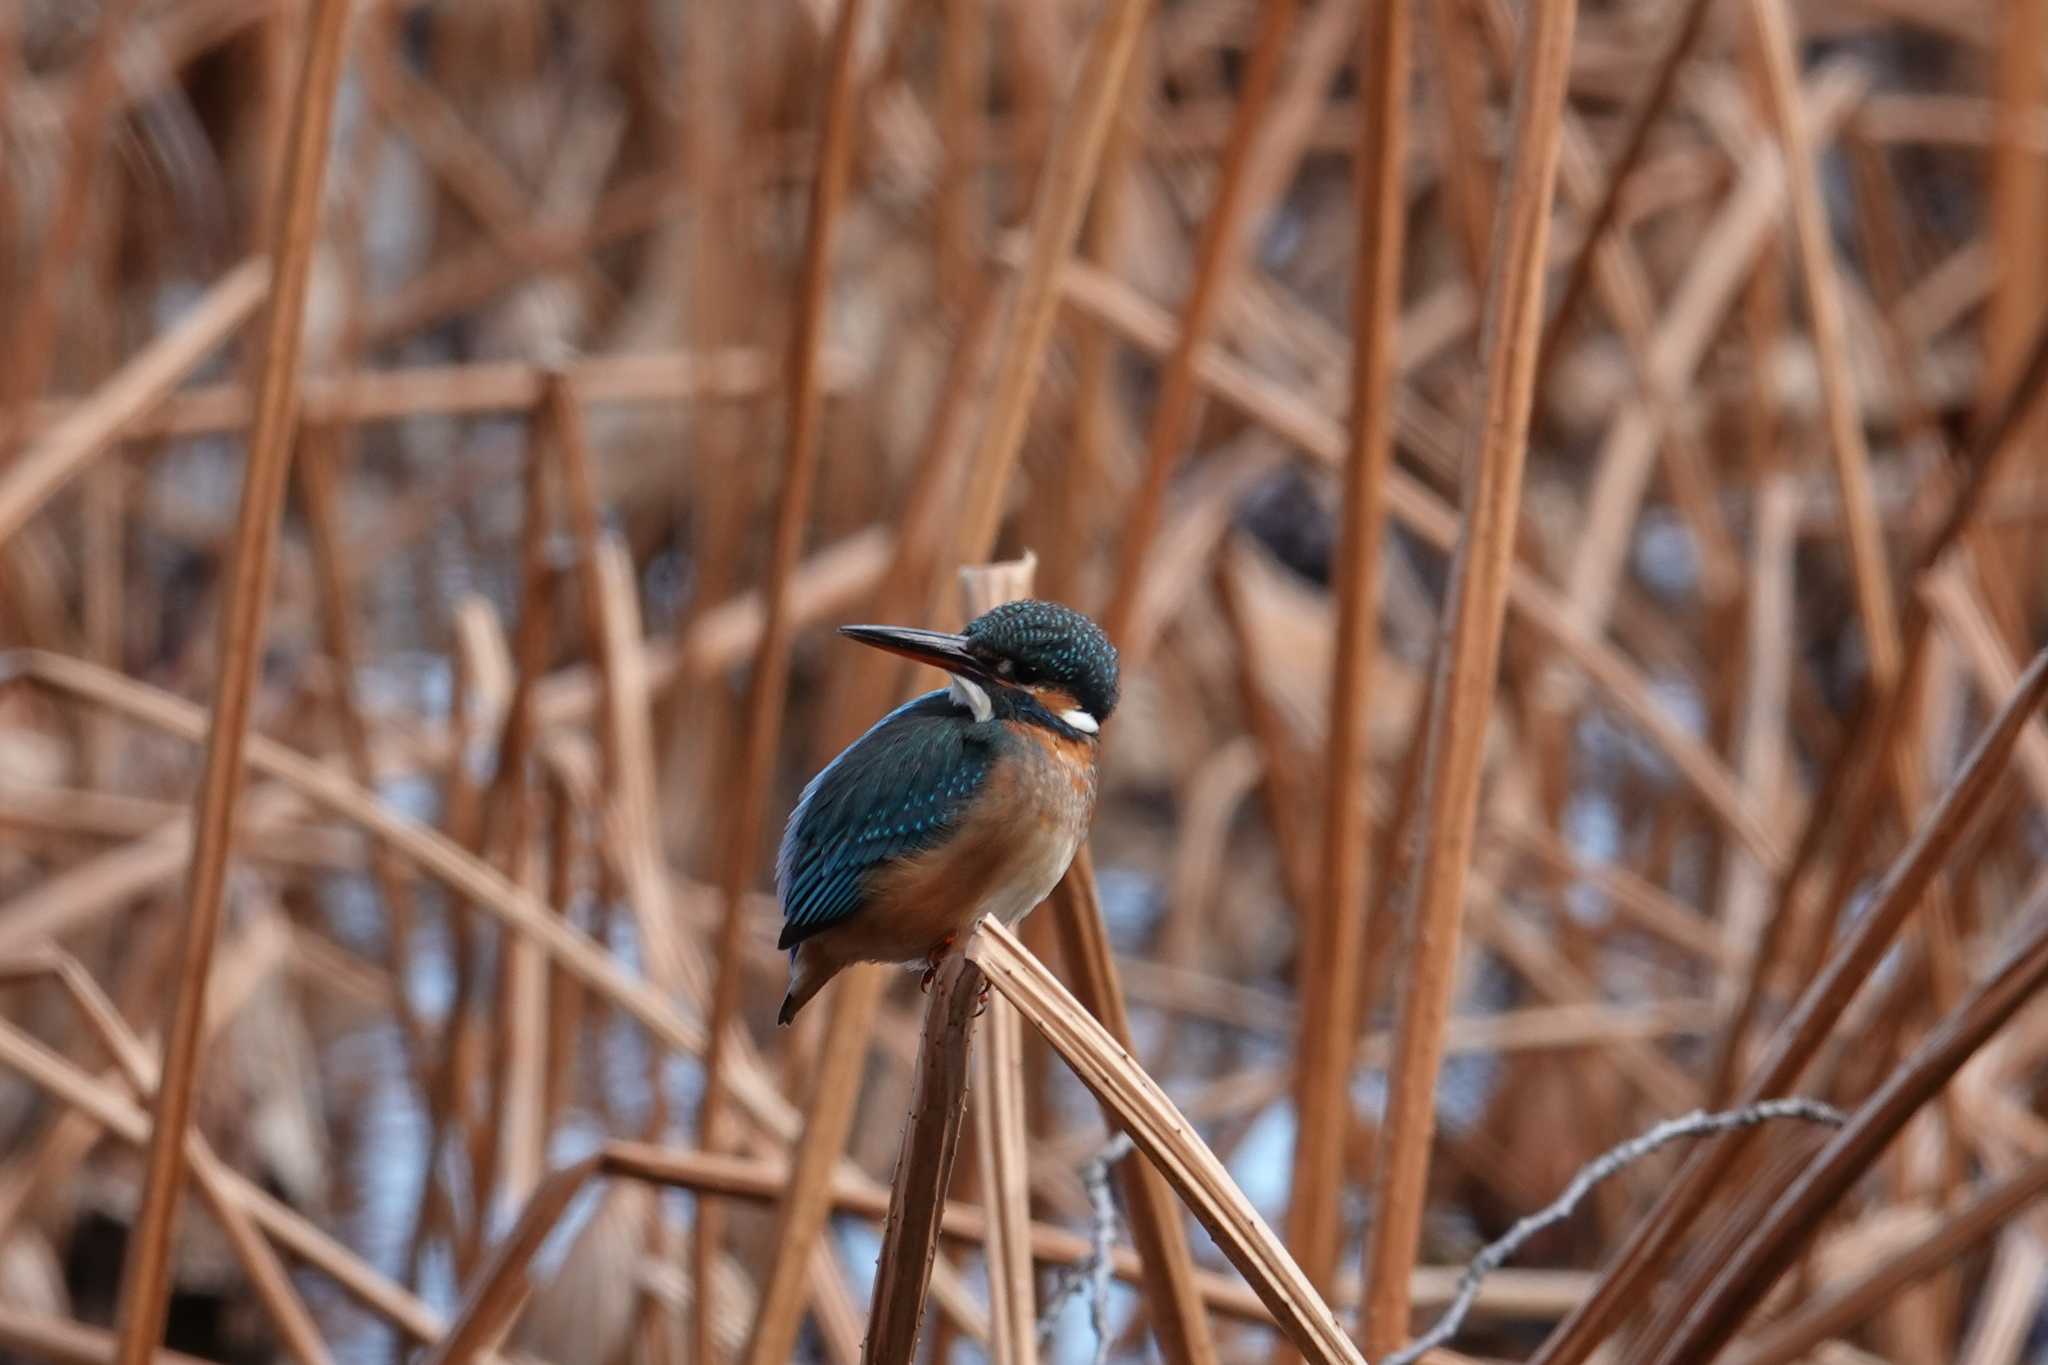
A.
x: 970, y: 695
x: 1081, y: 720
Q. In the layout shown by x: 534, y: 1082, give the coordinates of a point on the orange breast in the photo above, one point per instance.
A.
x: 1026, y: 825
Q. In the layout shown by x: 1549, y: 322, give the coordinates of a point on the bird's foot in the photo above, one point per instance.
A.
x: 981, y: 1001
x: 932, y: 960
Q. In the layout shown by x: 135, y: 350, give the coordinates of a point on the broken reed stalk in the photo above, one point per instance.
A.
x: 1799, y: 1037
x: 842, y: 1055
x: 1135, y: 1103
x: 1331, y: 968
x: 924, y: 1167
x: 146, y: 1272
x: 1463, y: 689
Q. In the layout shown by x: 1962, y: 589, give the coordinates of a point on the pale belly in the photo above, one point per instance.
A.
x: 1040, y: 863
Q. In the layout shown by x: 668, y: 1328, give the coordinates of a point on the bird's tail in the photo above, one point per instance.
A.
x: 809, y: 970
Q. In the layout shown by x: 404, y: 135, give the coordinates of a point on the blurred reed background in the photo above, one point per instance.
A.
x: 1566, y: 484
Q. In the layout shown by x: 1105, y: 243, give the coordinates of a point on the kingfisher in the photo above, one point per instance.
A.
x: 968, y: 801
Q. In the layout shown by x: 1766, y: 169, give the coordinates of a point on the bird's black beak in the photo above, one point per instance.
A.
x: 934, y: 647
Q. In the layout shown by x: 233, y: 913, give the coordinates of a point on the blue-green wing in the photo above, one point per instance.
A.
x: 897, y: 790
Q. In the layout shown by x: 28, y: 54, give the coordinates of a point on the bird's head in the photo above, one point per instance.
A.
x: 1024, y: 653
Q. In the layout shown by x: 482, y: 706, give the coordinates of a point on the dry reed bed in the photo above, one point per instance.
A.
x: 1565, y: 481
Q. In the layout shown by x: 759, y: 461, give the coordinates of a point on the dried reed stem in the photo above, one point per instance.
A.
x: 1178, y: 1318
x: 1462, y: 695
x: 1064, y: 184
x: 71, y: 445
x: 146, y: 1275
x: 1177, y: 406
x: 1136, y: 1104
x: 1800, y: 1036
x: 1742, y: 1282
x: 1334, y: 939
x: 32, y: 340
x: 924, y: 1164
x: 924, y: 1167
x: 1777, y: 49
x: 1834, y: 1312
x: 770, y: 677
x: 1642, y: 118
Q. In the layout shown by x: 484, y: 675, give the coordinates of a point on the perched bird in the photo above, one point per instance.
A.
x: 968, y: 801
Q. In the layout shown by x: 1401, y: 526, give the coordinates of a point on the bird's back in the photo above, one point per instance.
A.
x: 897, y: 791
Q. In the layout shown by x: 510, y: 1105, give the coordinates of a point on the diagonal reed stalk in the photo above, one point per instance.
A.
x: 1136, y: 1104
x: 146, y: 1274
x: 77, y: 440
x: 1462, y: 693
x: 1837, y: 1311
x: 1688, y: 27
x: 1746, y: 1278
x: 1800, y: 1036
x: 267, y: 1276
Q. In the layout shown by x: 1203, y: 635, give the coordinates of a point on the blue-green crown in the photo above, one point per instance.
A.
x: 1044, y: 642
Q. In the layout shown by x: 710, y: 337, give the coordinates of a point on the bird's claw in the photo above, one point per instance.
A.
x: 981, y: 1001
x: 932, y: 960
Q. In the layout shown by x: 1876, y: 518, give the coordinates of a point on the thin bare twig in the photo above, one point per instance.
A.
x: 1611, y: 1162
x: 1092, y: 1276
